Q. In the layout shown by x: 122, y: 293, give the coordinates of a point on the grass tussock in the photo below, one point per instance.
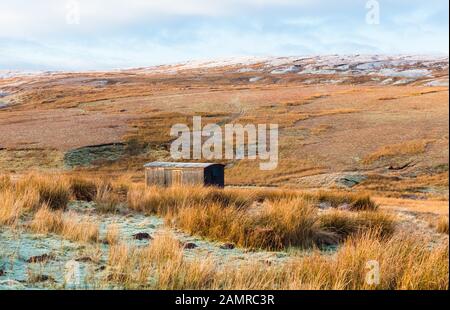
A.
x: 112, y: 234
x: 52, y: 190
x: 82, y: 188
x: 335, y: 199
x: 277, y: 224
x: 29, y: 193
x: 77, y: 229
x: 69, y: 226
x: 106, y: 199
x: 10, y: 208
x: 352, y: 201
x: 286, y: 223
x: 156, y: 200
x: 345, y: 224
x: 105, y: 194
x: 13, y: 205
x: 46, y: 221
x: 442, y: 225
x: 406, y: 148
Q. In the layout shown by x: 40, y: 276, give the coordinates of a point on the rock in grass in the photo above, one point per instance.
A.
x: 101, y: 268
x: 189, y: 246
x: 227, y: 246
x: 142, y: 236
x: 40, y: 258
x: 84, y: 259
x: 351, y: 180
x: 41, y: 278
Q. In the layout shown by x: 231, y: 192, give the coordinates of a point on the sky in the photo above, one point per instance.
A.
x: 111, y: 34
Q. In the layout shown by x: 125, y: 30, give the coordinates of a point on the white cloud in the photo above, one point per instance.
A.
x: 25, y: 18
x: 125, y: 33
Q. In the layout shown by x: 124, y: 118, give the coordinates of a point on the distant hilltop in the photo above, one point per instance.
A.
x: 387, y: 69
x: 426, y: 70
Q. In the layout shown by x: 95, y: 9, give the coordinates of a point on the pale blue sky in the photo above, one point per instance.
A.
x: 35, y: 34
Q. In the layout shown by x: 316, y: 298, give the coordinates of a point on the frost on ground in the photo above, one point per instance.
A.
x: 36, y: 261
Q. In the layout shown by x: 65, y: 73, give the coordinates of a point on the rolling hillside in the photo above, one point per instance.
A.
x: 377, y: 123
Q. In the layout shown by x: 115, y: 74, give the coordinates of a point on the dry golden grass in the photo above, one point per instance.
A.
x: 159, y: 266
x: 29, y: 193
x: 77, y: 229
x: 407, y: 148
x: 425, y: 187
x: 442, y: 225
x: 276, y: 224
x: 132, y: 266
x: 112, y: 234
x: 82, y: 188
x: 421, y: 206
x: 13, y: 204
x: 264, y: 218
x: 106, y: 200
x: 158, y: 200
x: 354, y: 201
x: 53, y: 190
x: 68, y: 225
x: 46, y: 221
x: 243, y: 172
x: 5, y: 182
x: 285, y: 223
x: 56, y: 191
x: 344, y: 223
x: 121, y: 261
x: 403, y: 261
x: 164, y: 247
x: 212, y: 221
x: 13, y: 160
x: 106, y: 195
x: 256, y: 218
x: 10, y: 208
x: 284, y: 217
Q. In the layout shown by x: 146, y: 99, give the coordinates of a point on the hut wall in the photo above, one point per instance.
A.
x: 169, y: 177
x: 155, y: 176
x: 192, y: 176
x: 173, y: 176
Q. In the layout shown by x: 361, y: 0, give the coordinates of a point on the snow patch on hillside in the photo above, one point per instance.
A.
x: 284, y: 70
x: 413, y: 73
x: 438, y: 83
x: 254, y: 79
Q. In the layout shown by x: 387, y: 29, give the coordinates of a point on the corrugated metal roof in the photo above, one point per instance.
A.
x: 179, y: 165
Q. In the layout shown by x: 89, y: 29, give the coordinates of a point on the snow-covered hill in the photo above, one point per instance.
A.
x: 330, y: 69
x: 400, y: 69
